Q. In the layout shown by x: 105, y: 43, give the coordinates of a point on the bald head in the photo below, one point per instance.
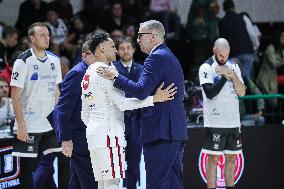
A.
x: 221, y: 50
x: 221, y: 43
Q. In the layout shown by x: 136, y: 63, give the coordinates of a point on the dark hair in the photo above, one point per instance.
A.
x: 96, y: 39
x: 31, y: 29
x: 228, y: 4
x: 9, y: 30
x: 126, y: 40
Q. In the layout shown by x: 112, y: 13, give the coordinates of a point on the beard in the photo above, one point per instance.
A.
x: 219, y: 62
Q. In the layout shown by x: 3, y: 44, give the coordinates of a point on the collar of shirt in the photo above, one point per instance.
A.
x: 125, y: 65
x: 155, y: 47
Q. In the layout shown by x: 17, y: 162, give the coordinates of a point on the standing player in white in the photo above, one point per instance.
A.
x: 102, y: 106
x: 221, y: 83
x: 35, y: 78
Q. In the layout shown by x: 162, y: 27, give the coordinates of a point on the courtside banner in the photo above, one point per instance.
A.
x: 260, y: 166
x: 9, y: 168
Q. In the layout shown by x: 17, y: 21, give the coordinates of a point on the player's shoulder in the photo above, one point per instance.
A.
x: 52, y: 55
x: 25, y: 55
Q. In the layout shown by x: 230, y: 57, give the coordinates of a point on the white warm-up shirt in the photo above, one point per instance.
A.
x: 38, y: 79
x: 222, y: 111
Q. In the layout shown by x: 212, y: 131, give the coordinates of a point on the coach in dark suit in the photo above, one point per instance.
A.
x: 163, y: 127
x: 132, y: 70
x: 69, y: 127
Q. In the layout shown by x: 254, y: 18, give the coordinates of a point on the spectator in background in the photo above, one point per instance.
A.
x: 7, y: 72
x: 253, y: 31
x: 24, y: 44
x: 7, y: 116
x: 251, y: 111
x: 77, y: 35
x: 134, y: 8
x: 273, y: 58
x: 165, y: 11
x: 57, y: 27
x: 233, y: 28
x: 132, y: 70
x: 30, y: 11
x: 9, y: 40
x: 117, y: 20
x: 64, y: 8
x: 199, y: 34
x: 116, y: 35
x: 213, y: 21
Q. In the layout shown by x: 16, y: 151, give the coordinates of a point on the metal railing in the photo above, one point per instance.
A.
x: 269, y: 115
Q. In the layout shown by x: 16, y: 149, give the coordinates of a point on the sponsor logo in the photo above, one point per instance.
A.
x: 105, y: 172
x: 215, y: 112
x: 220, y: 178
x: 30, y: 148
x: 34, y: 77
x: 86, y: 82
x: 216, y: 146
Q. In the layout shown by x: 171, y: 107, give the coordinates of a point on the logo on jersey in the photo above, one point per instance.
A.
x: 34, y: 76
x: 220, y: 178
x: 216, y: 137
x: 35, y: 67
x: 52, y: 66
x: 215, y: 112
x: 86, y: 82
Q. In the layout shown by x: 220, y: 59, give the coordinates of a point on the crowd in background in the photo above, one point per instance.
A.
x: 262, y: 70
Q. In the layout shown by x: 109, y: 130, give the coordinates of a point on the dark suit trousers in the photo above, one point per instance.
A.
x: 163, y: 163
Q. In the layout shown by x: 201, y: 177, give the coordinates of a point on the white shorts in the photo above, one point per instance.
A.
x: 108, y: 163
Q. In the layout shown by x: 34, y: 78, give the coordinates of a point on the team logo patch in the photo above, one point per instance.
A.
x: 35, y: 67
x: 220, y: 181
x: 52, y: 66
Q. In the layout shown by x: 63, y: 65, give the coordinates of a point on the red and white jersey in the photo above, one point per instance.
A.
x: 102, y: 109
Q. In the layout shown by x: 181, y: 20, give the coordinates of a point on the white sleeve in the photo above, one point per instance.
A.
x: 121, y: 101
x: 19, y: 73
x: 85, y: 112
x: 205, y: 74
x: 251, y: 31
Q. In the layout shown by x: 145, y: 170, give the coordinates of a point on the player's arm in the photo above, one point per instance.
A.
x: 16, y: 93
x: 57, y: 93
x: 210, y: 88
x: 18, y: 78
x: 235, y: 76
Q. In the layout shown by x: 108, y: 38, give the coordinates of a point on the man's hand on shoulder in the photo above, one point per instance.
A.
x: 107, y: 72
